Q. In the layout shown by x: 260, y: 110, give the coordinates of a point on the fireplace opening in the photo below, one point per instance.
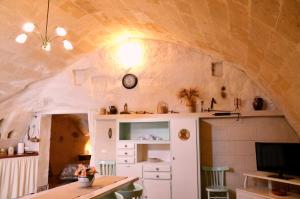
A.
x: 69, y: 146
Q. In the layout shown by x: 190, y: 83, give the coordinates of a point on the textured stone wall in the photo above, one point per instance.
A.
x: 227, y: 142
x: 262, y: 36
x: 96, y: 81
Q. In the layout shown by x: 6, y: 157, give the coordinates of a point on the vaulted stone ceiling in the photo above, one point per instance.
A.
x: 262, y: 36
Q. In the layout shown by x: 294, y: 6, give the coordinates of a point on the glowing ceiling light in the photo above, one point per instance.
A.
x: 28, y: 27
x: 130, y: 54
x: 60, y: 31
x: 68, y: 45
x: 21, y: 38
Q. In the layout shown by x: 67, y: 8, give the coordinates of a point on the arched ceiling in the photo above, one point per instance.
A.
x: 262, y: 36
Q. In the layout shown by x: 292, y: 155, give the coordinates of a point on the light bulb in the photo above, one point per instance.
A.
x: 28, y: 27
x: 68, y: 45
x: 60, y: 31
x: 130, y: 54
x: 21, y: 38
x: 46, y: 46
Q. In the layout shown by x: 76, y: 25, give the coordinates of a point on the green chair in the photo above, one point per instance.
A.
x: 133, y: 192
x: 215, y: 185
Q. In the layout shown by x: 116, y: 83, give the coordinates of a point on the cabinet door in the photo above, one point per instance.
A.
x: 131, y: 170
x: 185, y: 160
x: 157, y: 189
x: 104, y: 144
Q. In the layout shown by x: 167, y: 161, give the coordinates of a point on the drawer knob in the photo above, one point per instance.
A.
x: 157, y: 169
x: 126, y: 153
x: 125, y: 145
x: 157, y: 176
x: 125, y: 160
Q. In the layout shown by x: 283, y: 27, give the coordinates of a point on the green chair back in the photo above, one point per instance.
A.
x: 134, y: 192
x: 215, y: 176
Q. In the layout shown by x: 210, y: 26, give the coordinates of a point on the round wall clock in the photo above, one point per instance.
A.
x: 129, y: 81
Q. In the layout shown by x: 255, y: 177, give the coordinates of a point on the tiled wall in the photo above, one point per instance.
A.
x: 227, y: 142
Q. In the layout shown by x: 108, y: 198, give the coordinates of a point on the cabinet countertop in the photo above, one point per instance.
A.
x: 201, y: 115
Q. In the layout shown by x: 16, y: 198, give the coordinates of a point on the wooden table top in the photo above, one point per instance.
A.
x: 102, y: 185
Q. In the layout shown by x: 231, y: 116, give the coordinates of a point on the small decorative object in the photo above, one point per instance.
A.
x: 212, y: 103
x: 10, y: 150
x: 258, y: 103
x: 3, y: 152
x: 109, y: 133
x: 202, y: 106
x: 125, y: 111
x: 184, y: 134
x: 10, y: 133
x: 103, y: 111
x: 86, y: 175
x: 237, y: 104
x: 32, y: 131
x: 190, y: 97
x: 162, y: 108
x: 129, y: 81
x: 21, y: 146
x: 113, y: 110
x: 223, y: 92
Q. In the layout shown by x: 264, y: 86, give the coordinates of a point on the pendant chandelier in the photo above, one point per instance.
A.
x: 30, y: 27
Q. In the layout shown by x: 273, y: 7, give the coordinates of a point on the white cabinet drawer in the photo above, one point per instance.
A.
x: 125, y: 152
x: 154, y: 167
x: 125, y: 145
x: 157, y: 175
x: 125, y: 160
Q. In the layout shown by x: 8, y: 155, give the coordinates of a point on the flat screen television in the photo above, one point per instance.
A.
x: 281, y: 158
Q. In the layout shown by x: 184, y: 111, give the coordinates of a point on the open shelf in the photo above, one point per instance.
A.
x: 265, y: 176
x: 157, y: 131
x: 147, y: 151
x: 266, y: 193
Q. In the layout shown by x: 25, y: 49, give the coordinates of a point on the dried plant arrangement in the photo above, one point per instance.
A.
x: 189, y: 96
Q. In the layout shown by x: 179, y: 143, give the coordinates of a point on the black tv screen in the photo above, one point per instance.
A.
x: 281, y: 158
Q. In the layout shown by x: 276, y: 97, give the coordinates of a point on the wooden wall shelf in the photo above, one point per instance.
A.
x: 18, y: 156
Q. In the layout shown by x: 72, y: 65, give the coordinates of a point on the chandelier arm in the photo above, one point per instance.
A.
x: 51, y: 39
x: 37, y: 31
x: 47, y: 19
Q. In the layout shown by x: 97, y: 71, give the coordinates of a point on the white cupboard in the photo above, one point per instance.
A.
x: 165, y: 158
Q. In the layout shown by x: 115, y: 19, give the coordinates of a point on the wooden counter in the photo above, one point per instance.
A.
x: 19, y: 155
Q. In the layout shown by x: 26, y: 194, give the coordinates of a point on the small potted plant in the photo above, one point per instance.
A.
x: 86, y: 175
x: 189, y: 96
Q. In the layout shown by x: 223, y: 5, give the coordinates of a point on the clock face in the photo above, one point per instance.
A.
x: 129, y: 81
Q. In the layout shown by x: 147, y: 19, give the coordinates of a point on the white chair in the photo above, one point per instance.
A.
x: 215, y: 185
x: 133, y: 192
x: 106, y: 167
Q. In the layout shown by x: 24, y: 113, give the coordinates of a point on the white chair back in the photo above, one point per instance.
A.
x: 106, y: 167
